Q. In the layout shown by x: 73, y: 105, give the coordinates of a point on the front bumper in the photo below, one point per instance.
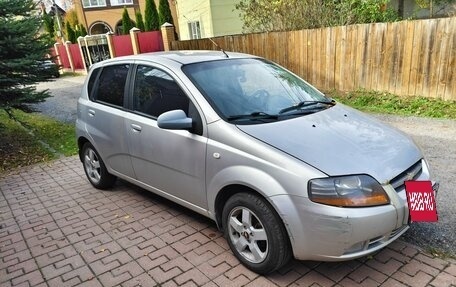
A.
x: 327, y: 233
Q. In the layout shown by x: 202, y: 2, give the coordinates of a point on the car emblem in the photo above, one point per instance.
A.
x: 410, y: 175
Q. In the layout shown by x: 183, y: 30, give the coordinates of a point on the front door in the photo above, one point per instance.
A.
x: 171, y: 162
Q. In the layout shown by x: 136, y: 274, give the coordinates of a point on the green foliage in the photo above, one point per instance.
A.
x: 126, y: 22
x: 73, y: 30
x: 48, y: 22
x: 164, y: 13
x: 79, y: 31
x: 365, y: 11
x: 286, y: 15
x: 21, y: 52
x: 70, y: 33
x: 382, y: 102
x: 151, y: 17
x: 139, y: 21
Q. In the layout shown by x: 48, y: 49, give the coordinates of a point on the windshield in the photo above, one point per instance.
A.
x: 246, y: 90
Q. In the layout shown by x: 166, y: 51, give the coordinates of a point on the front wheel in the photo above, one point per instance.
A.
x: 95, y: 168
x: 255, y: 233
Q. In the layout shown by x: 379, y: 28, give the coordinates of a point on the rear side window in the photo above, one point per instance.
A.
x: 111, y: 85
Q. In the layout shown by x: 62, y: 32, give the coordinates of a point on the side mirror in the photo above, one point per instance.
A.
x: 174, y: 120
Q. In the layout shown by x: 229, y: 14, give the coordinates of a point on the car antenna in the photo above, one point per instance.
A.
x: 216, y: 45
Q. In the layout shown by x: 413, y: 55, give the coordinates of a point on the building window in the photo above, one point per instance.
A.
x: 194, y: 30
x: 93, y: 3
x: 121, y: 2
x: 99, y: 28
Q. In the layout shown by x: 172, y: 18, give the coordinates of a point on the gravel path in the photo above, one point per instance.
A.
x: 436, y: 137
x: 65, y: 92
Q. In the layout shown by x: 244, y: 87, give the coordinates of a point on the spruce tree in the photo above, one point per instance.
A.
x: 126, y: 22
x: 151, y: 16
x: 164, y: 12
x: 139, y: 21
x: 22, y: 51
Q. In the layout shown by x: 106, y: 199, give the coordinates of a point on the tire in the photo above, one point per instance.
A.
x: 95, y: 168
x: 245, y: 216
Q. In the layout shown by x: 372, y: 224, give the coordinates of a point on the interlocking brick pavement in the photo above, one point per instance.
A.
x: 57, y: 230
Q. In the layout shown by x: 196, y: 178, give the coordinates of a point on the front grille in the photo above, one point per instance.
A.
x: 412, y: 173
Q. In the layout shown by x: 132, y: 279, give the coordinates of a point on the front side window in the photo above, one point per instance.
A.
x: 93, y: 3
x: 248, y: 89
x: 111, y: 85
x: 156, y: 92
x: 121, y: 2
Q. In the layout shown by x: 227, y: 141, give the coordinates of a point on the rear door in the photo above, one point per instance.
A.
x: 105, y: 118
x: 171, y: 162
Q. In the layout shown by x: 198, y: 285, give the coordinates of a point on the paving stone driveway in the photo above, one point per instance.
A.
x: 56, y: 230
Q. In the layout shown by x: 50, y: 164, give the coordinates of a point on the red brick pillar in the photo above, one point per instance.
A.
x: 167, y: 31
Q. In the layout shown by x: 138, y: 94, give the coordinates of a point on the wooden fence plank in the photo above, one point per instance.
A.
x: 435, y: 53
x: 417, y: 38
x: 450, y: 90
x: 444, y: 59
x: 406, y: 63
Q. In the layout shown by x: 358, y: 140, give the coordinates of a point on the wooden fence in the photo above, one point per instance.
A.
x: 405, y: 58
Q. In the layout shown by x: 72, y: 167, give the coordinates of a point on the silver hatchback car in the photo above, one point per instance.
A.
x: 283, y: 170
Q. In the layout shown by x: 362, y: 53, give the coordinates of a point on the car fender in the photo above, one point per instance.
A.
x: 250, y: 177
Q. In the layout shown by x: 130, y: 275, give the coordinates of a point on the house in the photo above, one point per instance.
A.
x: 207, y: 18
x: 102, y: 16
x: 429, y: 9
x: 52, y: 9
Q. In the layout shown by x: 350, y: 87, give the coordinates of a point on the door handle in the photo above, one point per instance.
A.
x: 91, y: 113
x: 136, y: 127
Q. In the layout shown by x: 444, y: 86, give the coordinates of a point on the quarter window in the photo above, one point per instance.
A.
x: 156, y: 92
x: 111, y: 85
x: 93, y: 78
x: 93, y: 3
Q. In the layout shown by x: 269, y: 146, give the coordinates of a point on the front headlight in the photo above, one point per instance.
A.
x: 347, y: 191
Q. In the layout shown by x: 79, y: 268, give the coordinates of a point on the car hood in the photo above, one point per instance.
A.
x: 341, y: 141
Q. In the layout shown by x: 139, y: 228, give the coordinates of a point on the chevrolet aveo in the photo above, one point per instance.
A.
x: 282, y: 169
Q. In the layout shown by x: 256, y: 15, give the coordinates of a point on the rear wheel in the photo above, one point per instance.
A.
x: 95, y: 168
x: 255, y: 233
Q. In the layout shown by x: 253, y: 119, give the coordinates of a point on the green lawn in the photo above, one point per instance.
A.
x: 385, y: 103
x: 32, y: 138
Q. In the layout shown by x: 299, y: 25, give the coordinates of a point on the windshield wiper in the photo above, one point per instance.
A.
x: 304, y: 104
x: 253, y: 116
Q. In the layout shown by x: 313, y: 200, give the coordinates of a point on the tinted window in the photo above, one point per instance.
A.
x: 156, y: 92
x: 111, y: 85
x: 93, y: 78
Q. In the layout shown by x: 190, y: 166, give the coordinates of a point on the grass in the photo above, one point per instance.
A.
x: 70, y: 74
x: 385, y: 103
x: 32, y: 138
